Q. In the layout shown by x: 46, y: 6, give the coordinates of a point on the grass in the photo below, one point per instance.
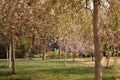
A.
x: 53, y: 70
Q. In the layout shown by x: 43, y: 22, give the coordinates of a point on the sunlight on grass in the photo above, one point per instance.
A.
x: 53, y: 70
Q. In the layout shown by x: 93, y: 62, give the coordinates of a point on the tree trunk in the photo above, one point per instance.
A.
x: 65, y: 57
x: 74, y: 54
x: 32, y: 46
x: 115, y: 57
x: 98, y: 68
x: 59, y: 53
x: 13, y: 59
x: 108, y: 59
x: 7, y: 52
x: 43, y: 57
x: 92, y: 57
x: 44, y: 49
x: 10, y: 50
x: 30, y: 53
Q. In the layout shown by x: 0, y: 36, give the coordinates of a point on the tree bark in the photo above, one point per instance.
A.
x: 59, y: 53
x: 10, y: 50
x: 13, y: 59
x: 108, y: 59
x: 92, y: 56
x: 44, y: 49
x: 98, y: 68
x: 30, y: 52
x: 74, y: 54
x: 115, y: 57
x: 65, y: 57
x: 7, y: 52
x: 32, y: 46
x: 13, y: 66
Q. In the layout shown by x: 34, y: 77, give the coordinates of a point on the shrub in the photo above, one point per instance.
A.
x: 2, y: 54
x: 54, y: 55
x: 2, y: 51
x: 51, y: 55
x: 20, y: 54
x: 69, y: 55
x: 36, y: 55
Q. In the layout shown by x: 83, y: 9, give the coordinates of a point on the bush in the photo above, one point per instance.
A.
x: 2, y: 54
x: 51, y: 55
x: 2, y: 51
x: 69, y: 55
x: 36, y: 55
x: 20, y: 54
x: 54, y: 55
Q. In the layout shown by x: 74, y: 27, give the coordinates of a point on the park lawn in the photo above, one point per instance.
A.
x: 53, y: 70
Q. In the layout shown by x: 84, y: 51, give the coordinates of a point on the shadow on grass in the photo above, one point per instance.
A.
x: 104, y: 78
x: 87, y: 73
x: 19, y: 78
x: 73, y: 70
x: 3, y: 71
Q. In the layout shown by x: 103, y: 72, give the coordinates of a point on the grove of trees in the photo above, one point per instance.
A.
x: 76, y: 26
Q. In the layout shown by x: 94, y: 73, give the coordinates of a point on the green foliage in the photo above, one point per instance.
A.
x: 2, y: 54
x: 21, y: 51
x: 36, y: 55
x: 2, y: 51
x: 20, y: 54
x: 70, y: 55
x: 51, y: 55
x: 62, y: 55
x: 54, y: 55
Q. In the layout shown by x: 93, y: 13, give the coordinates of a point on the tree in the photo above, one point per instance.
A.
x: 109, y: 29
x: 13, y: 20
x: 98, y: 68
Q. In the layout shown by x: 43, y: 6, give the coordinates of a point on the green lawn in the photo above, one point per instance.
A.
x: 53, y: 70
